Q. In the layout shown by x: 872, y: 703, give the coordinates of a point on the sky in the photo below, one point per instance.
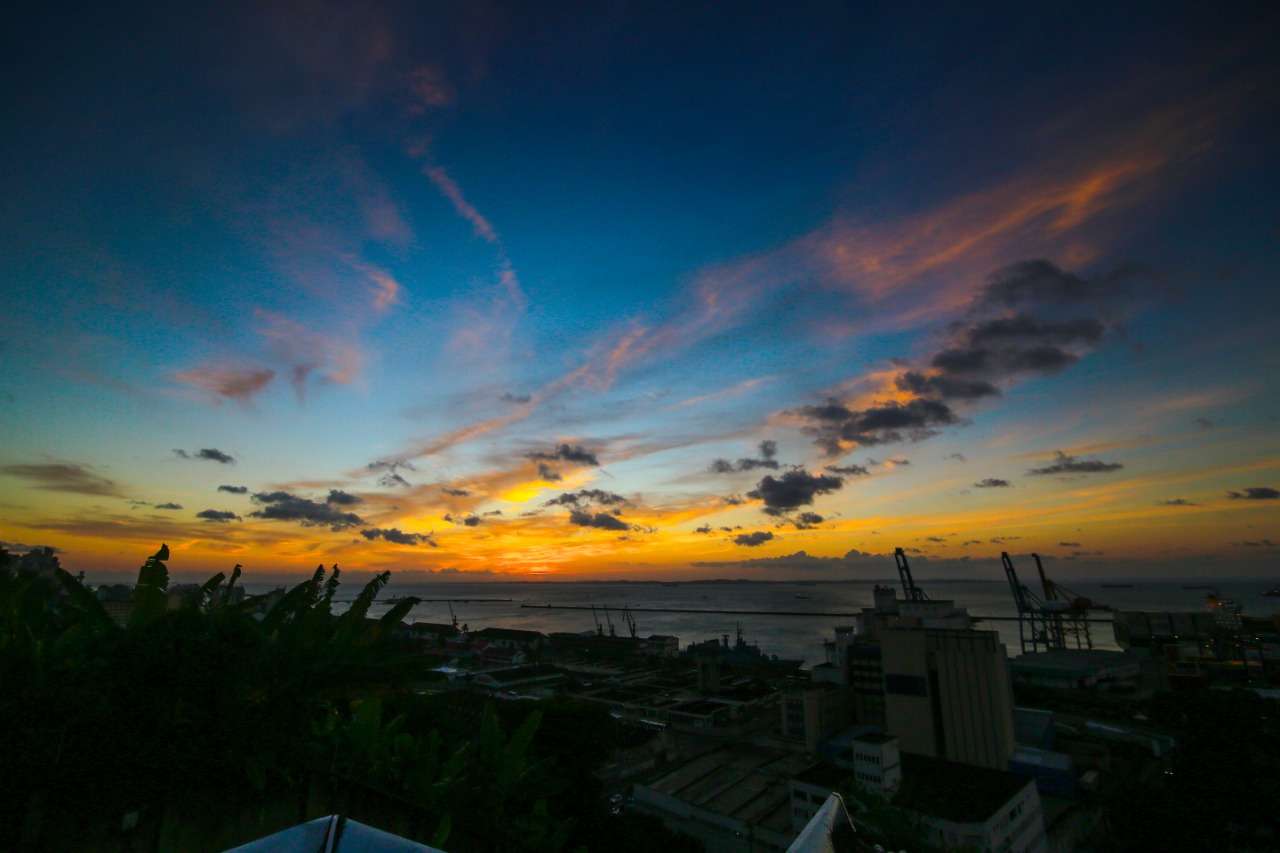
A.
x: 648, y: 290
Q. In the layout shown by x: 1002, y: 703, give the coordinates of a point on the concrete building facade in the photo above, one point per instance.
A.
x: 948, y: 694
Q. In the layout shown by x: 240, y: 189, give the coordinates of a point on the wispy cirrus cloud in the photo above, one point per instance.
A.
x: 450, y: 190
x: 903, y: 271
x: 240, y: 384
x: 486, y: 326
x: 329, y: 357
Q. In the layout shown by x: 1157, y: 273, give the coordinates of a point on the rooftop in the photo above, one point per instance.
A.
x: 508, y: 634
x: 825, y: 775
x: 740, y: 781
x: 957, y: 792
x: 521, y: 673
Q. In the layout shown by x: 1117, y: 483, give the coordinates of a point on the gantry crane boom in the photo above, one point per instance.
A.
x: 909, y: 588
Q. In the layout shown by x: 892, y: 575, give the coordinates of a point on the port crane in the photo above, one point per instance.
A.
x: 1073, y: 622
x: 909, y: 588
x: 613, y: 632
x: 630, y: 620
x: 596, y: 616
x: 1038, y: 623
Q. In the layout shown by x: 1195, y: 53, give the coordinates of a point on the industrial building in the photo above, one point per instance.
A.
x: 735, y: 799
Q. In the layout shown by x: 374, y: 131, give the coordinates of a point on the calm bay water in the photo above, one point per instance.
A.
x: 784, y: 636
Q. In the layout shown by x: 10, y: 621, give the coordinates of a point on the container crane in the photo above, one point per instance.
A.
x: 909, y: 588
x: 596, y: 616
x: 1074, y: 621
x: 1038, y: 622
x: 613, y: 632
x: 630, y: 620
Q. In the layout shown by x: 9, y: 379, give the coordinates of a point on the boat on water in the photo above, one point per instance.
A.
x: 798, y: 595
x: 1274, y: 592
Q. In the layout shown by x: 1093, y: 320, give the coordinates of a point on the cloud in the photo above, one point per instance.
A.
x: 1255, y: 493
x: 601, y: 520
x: 1177, y: 502
x: 1041, y: 283
x: 16, y: 547
x: 945, y: 387
x: 390, y: 472
x: 394, y: 535
x: 835, y: 427
x: 234, y: 490
x: 217, y: 516
x: 586, y: 497
x: 518, y: 399
x: 988, y: 346
x: 1068, y: 544
x: 212, y: 454
x: 386, y: 290
x: 464, y: 520
x: 65, y: 477
x: 992, y: 483
x: 753, y: 539
x: 239, y: 384
x: 1262, y: 543
x: 1064, y: 464
x: 450, y: 190
x: 337, y: 497
x: 309, y: 352
x: 958, y: 457
x: 850, y: 470
x: 574, y: 453
x: 767, y: 459
x: 807, y: 520
x: 168, y: 506
x: 282, y: 506
x: 429, y: 88
x: 934, y: 539
x: 792, y: 490
x: 706, y: 528
x: 546, y: 472
x: 457, y: 493
x: 997, y: 339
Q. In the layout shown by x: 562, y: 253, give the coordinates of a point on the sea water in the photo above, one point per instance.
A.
x: 654, y: 607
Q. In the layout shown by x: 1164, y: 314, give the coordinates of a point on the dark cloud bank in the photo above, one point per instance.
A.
x: 1031, y: 318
